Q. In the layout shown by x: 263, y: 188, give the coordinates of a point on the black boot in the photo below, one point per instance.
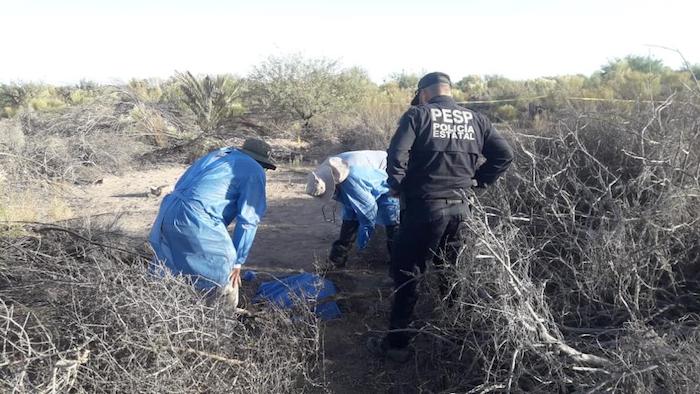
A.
x: 341, y: 248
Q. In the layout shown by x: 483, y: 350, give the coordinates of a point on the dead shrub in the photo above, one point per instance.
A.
x: 76, y: 144
x: 11, y: 136
x: 583, y: 274
x: 82, y: 314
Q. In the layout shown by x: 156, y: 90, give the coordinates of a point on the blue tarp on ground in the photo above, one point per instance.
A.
x: 308, y: 286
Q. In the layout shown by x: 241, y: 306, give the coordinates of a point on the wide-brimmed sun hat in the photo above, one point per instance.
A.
x: 321, y: 182
x: 260, y: 151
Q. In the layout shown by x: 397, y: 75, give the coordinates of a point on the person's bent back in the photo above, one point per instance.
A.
x: 356, y: 179
x: 190, y: 235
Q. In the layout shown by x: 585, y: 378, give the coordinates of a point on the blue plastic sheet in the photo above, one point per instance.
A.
x: 308, y: 286
x: 249, y: 276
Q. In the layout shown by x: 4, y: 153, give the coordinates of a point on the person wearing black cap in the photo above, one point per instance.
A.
x: 190, y: 236
x: 432, y: 165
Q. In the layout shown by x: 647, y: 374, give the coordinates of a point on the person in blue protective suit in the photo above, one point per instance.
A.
x: 190, y: 236
x: 358, y: 181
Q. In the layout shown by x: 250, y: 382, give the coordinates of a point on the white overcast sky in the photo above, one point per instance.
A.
x: 109, y: 41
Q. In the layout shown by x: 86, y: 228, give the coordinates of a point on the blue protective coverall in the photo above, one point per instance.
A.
x: 190, y: 232
x: 365, y: 158
x: 365, y: 198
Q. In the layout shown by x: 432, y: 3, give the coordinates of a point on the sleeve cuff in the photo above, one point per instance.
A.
x: 237, y: 265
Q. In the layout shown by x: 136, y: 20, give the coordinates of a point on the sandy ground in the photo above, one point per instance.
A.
x: 293, y: 233
x: 293, y: 236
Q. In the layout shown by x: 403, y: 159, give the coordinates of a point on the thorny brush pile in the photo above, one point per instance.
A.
x: 584, y: 272
x: 78, y: 314
x: 582, y: 277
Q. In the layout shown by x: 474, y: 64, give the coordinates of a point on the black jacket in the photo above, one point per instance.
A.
x: 434, y: 152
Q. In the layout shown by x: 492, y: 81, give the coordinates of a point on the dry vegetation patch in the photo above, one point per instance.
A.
x: 80, y: 313
x: 583, y: 274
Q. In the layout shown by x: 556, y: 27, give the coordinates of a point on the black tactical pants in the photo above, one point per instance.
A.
x: 430, y: 230
x: 348, y: 234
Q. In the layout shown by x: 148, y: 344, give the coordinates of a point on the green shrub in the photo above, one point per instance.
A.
x: 37, y: 97
x: 297, y: 89
x: 79, y: 96
x: 46, y: 103
x: 147, y: 90
x: 211, y: 99
x: 507, y: 113
x: 473, y: 86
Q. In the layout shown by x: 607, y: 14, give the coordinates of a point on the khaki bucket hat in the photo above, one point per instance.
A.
x: 322, y: 181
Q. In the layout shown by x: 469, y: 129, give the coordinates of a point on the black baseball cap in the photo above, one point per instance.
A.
x: 428, y: 80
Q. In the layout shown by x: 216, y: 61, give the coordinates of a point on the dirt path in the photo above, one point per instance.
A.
x: 293, y: 235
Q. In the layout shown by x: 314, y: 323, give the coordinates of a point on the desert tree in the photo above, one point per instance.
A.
x: 294, y: 88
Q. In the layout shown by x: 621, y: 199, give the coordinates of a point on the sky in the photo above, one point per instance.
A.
x: 63, y: 42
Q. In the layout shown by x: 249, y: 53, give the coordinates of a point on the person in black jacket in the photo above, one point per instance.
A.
x: 431, y: 165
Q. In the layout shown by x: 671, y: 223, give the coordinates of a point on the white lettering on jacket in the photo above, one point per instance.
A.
x: 452, y: 124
